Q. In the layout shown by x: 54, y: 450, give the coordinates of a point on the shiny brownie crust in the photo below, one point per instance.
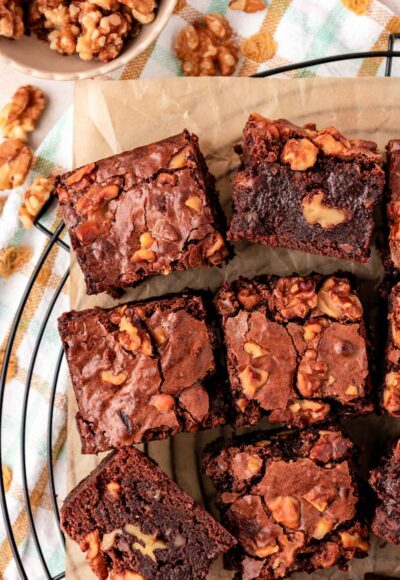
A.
x: 307, y: 190
x: 385, y: 480
x: 296, y: 348
x: 130, y: 518
x: 144, y: 212
x: 291, y: 501
x: 390, y: 392
x: 143, y: 371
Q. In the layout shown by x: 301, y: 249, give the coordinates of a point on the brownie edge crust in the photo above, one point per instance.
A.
x: 304, y: 189
x: 291, y: 501
x: 134, y: 522
x: 143, y: 212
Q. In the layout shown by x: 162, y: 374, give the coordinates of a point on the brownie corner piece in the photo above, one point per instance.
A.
x: 291, y: 500
x: 304, y: 189
x: 385, y: 481
x: 392, y: 230
x: 148, y: 211
x: 132, y: 521
x: 144, y: 370
x: 390, y: 387
x: 296, y: 348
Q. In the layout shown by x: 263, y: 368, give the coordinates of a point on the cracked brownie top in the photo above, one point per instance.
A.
x: 296, y: 348
x: 148, y: 211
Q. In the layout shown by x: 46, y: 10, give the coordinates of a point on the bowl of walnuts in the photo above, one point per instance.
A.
x: 71, y: 40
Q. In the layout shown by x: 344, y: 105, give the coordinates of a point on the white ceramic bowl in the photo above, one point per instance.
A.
x: 34, y: 57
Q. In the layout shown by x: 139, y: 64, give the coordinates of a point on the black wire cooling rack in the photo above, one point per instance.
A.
x: 55, y: 238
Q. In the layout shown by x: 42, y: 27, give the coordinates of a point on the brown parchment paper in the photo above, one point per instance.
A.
x: 112, y: 116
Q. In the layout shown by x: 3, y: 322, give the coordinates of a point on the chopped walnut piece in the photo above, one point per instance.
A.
x: 162, y: 402
x: 15, y: 161
x: 11, y: 19
x: 259, y: 47
x: 205, y: 47
x: 109, y: 377
x: 247, y: 5
x: 309, y: 411
x: 300, y: 154
x: 323, y: 527
x: 316, y: 212
x: 354, y: 540
x: 13, y: 259
x: 142, y: 10
x: 286, y: 511
x: 144, y: 255
x: 336, y: 299
x: 35, y: 197
x: 312, y: 375
x: 248, y: 298
x: 19, y: 117
x: 113, y: 489
x: 252, y: 379
x: 149, y: 543
x: 294, y: 297
x: 217, y: 244
x: 129, y: 335
x: 391, y: 393
x: 195, y: 203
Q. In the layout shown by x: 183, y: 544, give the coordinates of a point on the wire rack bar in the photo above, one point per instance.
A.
x: 50, y: 466
x: 54, y: 239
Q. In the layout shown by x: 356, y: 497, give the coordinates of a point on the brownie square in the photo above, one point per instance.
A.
x: 390, y: 391
x: 133, y: 522
x: 392, y: 257
x: 385, y: 480
x: 291, y: 501
x: 296, y: 348
x: 143, y: 371
x: 144, y: 212
x: 307, y: 190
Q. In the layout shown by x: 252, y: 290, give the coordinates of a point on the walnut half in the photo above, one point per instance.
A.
x: 15, y: 162
x: 35, y: 198
x: 19, y: 117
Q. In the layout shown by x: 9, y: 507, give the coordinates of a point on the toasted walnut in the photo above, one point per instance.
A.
x: 252, y: 379
x: 254, y: 349
x: 162, y: 403
x: 149, y: 543
x: 108, y: 377
x: 248, y: 298
x: 146, y: 240
x: 323, y: 527
x: 286, y: 511
x: 129, y: 331
x: 159, y: 335
x: 11, y: 19
x: 316, y: 498
x: 316, y: 212
x: 15, y: 162
x: 35, y: 198
x: 354, y: 540
x: 311, y: 330
x: 95, y: 197
x: 330, y: 145
x: 300, y: 154
x: 336, y: 299
x: 92, y: 544
x: 64, y: 40
x: 13, y: 259
x: 204, y: 47
x: 310, y: 411
x: 7, y: 477
x: 217, y: 244
x: 312, y: 375
x: 265, y: 551
x: 107, y: 541
x: 294, y: 297
x: 19, y: 117
x: 195, y: 203
x: 391, y: 393
x: 102, y: 36
x: 259, y: 47
x: 78, y: 175
x: 144, y: 255
x: 113, y: 489
x: 142, y: 10
x: 178, y: 160
x: 146, y: 346
x: 247, y: 5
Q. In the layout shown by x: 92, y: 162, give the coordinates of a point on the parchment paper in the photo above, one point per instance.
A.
x: 114, y: 116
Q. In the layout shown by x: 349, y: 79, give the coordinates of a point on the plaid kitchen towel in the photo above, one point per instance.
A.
x: 296, y: 30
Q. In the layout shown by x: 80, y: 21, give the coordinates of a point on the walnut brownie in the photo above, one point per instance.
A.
x: 291, y: 500
x: 307, y: 190
x: 392, y: 259
x: 296, y: 348
x: 390, y: 392
x: 134, y: 523
x: 148, y: 211
x: 143, y: 371
x: 385, y: 480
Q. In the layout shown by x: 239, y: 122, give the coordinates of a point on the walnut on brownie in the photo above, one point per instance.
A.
x: 134, y: 523
x: 392, y: 255
x: 304, y: 189
x: 390, y: 388
x: 385, y: 480
x: 296, y: 348
x: 291, y: 501
x: 144, y: 212
x: 143, y: 371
